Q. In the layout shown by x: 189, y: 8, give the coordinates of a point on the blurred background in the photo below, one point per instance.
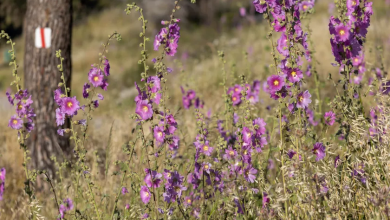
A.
x: 206, y: 27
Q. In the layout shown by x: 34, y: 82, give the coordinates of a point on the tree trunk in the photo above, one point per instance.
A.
x: 42, y: 76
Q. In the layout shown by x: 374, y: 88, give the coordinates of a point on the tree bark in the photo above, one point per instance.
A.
x: 42, y: 76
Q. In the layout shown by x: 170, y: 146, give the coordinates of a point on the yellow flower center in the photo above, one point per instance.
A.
x: 189, y: 201
x: 248, y: 135
x: 145, y: 108
x: 206, y: 166
x: 14, y: 121
x: 353, y: 3
x: 231, y: 153
x: 356, y: 60
x: 169, y: 175
x: 276, y: 82
x: 300, y: 98
x: 96, y: 78
x: 245, y: 152
x: 304, y: 7
x: 342, y: 32
x: 236, y: 89
x: 294, y: 74
x: 69, y: 104
x: 20, y: 106
x: 159, y: 134
x: 234, y: 98
x: 205, y: 148
x: 251, y: 97
x: 146, y: 194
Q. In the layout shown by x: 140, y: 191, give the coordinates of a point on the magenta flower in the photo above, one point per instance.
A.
x: 124, y: 190
x: 275, y: 83
x: 249, y: 174
x: 2, y: 182
x: 85, y: 91
x: 294, y: 75
x: 352, y: 5
x: 95, y: 77
x: 260, y: 6
x: 236, y: 99
x: 57, y: 96
x: 107, y: 67
x: 247, y: 135
x: 145, y: 194
x: 356, y: 61
x: 330, y: 117
x: 291, y: 153
x: 259, y: 125
x: 303, y: 99
x: 206, y: 149
x: 68, y: 204
x: 319, y: 151
x: 305, y: 5
x: 60, y: 117
x: 15, y: 122
x: 152, y: 178
x: 159, y: 134
x: 229, y: 153
x: 283, y: 45
x: 342, y: 32
x: 144, y: 109
x: 70, y: 105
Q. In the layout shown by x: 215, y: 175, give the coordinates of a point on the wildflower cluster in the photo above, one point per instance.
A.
x: 252, y: 93
x: 189, y: 99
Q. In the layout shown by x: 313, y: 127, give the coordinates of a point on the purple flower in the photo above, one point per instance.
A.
x: 229, y: 153
x: 10, y: 99
x: 159, y: 134
x: 342, y: 32
x: 187, y: 201
x: 124, y: 190
x: 329, y: 117
x: 275, y: 83
x: 206, y: 149
x: 266, y: 199
x: 127, y: 206
x: 68, y: 203
x: 303, y: 99
x: 60, y: 117
x: 60, y: 132
x: 95, y: 103
x: 144, y: 109
x: 145, y: 216
x: 82, y: 122
x: 247, y: 135
x: 319, y: 151
x: 15, y: 122
x: 249, y: 174
x: 145, y: 194
x: 85, y: 90
x: 283, y: 45
x: 107, y: 67
x: 305, y: 5
x: 174, y: 143
x: 104, y: 85
x: 2, y: 182
x: 337, y: 161
x: 352, y: 5
x: 260, y: 6
x: 152, y: 178
x: 100, y: 96
x: 70, y: 105
x: 259, y: 126
x: 57, y: 96
x: 356, y: 61
x: 294, y: 75
x: 236, y: 99
x: 291, y: 153
x: 95, y: 77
